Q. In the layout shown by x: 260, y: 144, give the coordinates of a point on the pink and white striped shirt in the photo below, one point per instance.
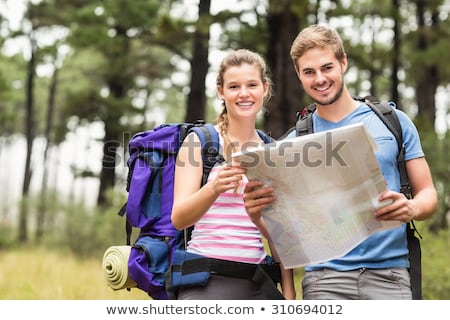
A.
x: 225, y: 231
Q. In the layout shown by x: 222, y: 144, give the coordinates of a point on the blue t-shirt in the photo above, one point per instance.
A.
x: 388, y: 248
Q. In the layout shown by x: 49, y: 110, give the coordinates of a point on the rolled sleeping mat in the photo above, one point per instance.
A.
x: 115, y: 267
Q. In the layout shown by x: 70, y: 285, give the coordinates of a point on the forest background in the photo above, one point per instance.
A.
x: 79, y: 77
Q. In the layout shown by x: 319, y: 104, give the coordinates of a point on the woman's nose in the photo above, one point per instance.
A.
x: 243, y: 91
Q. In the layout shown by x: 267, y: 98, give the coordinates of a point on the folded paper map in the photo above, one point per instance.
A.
x: 327, y: 186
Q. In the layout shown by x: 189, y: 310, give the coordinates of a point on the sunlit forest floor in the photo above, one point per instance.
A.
x: 51, y: 274
x: 41, y: 274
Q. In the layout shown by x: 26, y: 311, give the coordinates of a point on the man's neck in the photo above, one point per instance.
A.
x: 339, y: 109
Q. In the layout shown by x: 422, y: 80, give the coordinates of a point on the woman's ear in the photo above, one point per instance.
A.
x: 220, y: 93
x: 266, y: 89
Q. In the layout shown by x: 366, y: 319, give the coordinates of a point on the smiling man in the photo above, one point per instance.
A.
x: 378, y: 267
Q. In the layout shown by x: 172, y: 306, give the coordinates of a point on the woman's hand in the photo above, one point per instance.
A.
x: 228, y: 178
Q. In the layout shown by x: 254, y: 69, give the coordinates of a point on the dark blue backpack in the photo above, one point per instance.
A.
x: 148, y: 208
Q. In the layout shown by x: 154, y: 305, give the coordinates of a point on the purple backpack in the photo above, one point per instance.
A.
x: 150, y: 197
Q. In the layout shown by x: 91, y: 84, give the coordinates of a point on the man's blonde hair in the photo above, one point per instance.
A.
x: 316, y: 36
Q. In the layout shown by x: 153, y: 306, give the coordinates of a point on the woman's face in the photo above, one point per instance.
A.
x: 243, y: 91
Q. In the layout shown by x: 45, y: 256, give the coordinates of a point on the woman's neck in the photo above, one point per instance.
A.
x: 242, y: 133
x: 239, y: 138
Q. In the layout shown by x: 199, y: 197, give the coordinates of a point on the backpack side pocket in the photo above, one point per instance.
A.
x: 148, y: 263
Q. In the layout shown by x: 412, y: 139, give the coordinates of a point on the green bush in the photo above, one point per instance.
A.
x: 88, y: 232
x: 6, y: 235
x: 435, y: 265
x: 91, y: 232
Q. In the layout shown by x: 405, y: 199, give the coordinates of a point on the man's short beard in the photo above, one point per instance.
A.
x: 333, y: 99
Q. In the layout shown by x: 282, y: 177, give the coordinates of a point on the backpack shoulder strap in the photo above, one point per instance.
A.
x: 264, y: 136
x: 209, y: 139
x: 304, y: 123
x: 210, y: 142
x: 387, y: 114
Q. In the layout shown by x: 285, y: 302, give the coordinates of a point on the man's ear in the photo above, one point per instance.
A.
x: 344, y: 63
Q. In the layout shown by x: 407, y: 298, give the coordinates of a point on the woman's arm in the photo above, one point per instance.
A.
x: 191, y: 201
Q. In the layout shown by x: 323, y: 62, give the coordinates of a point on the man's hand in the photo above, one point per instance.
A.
x: 400, y: 209
x: 256, y: 198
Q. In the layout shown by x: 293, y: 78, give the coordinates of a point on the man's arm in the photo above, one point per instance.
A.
x: 424, y: 201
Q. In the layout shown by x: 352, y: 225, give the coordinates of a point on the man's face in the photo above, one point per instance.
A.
x: 322, y: 75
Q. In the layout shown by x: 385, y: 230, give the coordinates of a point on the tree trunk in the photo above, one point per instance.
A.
x: 396, y: 52
x: 41, y: 214
x: 29, y: 133
x: 118, y: 81
x: 281, y: 110
x: 426, y: 88
x: 428, y: 79
x: 196, y: 104
x: 108, y: 172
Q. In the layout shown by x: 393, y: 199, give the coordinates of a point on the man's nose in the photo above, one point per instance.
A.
x: 320, y: 77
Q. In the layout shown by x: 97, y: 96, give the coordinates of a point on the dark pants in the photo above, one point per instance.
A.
x: 225, y: 288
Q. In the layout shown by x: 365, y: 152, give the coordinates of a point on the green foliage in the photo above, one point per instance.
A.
x: 86, y: 232
x: 436, y: 149
x: 89, y: 232
x: 435, y: 262
x: 12, y: 82
x: 6, y: 235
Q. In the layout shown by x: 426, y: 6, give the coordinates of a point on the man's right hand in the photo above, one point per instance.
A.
x: 256, y: 198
